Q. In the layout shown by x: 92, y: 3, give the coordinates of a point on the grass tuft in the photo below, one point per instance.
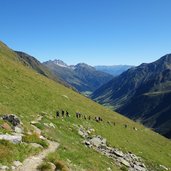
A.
x: 45, y: 167
x: 34, y: 138
x: 60, y: 165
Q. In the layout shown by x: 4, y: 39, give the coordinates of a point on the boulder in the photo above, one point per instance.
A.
x: 124, y: 162
x: 139, y: 168
x: 87, y: 143
x: 13, y: 168
x: 52, y: 125
x: 98, y: 141
x: 12, y: 138
x: 82, y: 132
x: 118, y: 153
x: 3, y: 168
x: 46, y: 124
x: 34, y: 122
x: 6, y: 126
x: 164, y: 167
x: 18, y: 130
x: 13, y: 119
x: 17, y: 163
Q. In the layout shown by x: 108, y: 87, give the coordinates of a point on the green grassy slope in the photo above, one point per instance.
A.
x: 26, y: 93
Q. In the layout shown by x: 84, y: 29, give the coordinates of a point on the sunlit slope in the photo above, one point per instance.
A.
x: 26, y: 93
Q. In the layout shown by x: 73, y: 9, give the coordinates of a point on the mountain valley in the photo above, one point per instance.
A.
x: 33, y: 100
x: 142, y: 93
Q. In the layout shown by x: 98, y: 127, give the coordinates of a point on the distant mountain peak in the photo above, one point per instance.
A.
x: 60, y: 63
x: 114, y: 70
x: 84, y: 65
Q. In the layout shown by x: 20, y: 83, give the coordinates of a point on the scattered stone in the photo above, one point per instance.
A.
x: 118, y: 153
x: 42, y: 137
x: 33, y: 122
x: 6, y: 126
x: 89, y: 132
x: 69, y: 161
x: 36, y: 130
x: 98, y: 141
x: 18, y: 130
x: 52, y: 125
x: 46, y: 124
x: 39, y: 118
x: 87, y: 143
x: 12, y: 138
x: 4, y: 168
x: 124, y: 162
x: 65, y: 96
x: 82, y: 132
x: 13, y: 168
x: 135, y: 128
x: 139, y: 168
x: 164, y: 167
x: 17, y: 163
x: 109, y: 169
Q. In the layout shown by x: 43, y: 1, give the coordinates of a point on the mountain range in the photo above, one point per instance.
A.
x: 114, y: 70
x: 29, y: 104
x: 142, y: 93
x: 83, y: 77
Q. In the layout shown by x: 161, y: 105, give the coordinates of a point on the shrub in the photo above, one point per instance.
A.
x: 45, y: 167
x: 60, y: 165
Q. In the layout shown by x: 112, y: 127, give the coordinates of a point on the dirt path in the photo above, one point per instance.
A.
x: 31, y: 163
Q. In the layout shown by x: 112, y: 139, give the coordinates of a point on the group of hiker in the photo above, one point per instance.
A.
x: 79, y: 115
x: 62, y: 113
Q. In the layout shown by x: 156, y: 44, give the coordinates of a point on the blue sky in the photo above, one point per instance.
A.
x: 97, y: 32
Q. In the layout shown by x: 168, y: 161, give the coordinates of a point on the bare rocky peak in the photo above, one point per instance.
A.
x: 60, y: 63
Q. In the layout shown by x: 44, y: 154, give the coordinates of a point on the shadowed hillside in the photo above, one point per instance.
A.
x: 142, y: 93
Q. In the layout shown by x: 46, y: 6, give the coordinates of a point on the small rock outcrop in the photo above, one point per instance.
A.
x: 12, y: 138
x: 4, y: 168
x: 6, y: 126
x: 13, y: 119
x: 12, y: 123
x: 98, y: 143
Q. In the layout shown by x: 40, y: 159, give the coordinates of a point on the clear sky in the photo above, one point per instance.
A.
x: 96, y: 32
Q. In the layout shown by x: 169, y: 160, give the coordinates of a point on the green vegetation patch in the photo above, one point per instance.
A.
x: 34, y: 138
x: 10, y: 152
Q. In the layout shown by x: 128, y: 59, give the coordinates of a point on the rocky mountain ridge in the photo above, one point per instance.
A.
x: 83, y: 77
x: 142, y: 93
